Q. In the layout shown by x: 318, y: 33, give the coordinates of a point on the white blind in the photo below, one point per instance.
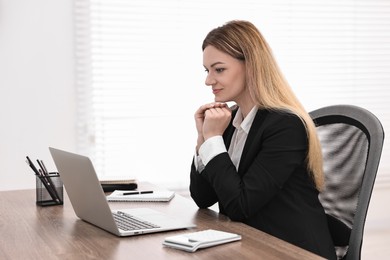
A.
x: 140, y: 76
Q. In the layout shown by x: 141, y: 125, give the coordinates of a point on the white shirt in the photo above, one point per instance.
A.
x: 215, y: 145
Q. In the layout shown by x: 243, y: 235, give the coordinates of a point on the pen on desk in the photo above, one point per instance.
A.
x: 137, y: 192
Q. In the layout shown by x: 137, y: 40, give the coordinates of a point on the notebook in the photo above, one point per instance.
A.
x: 90, y: 204
x: 161, y: 196
x: 110, y: 187
x: 200, y: 239
x: 117, y: 180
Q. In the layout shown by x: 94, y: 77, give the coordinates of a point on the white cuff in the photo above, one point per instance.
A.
x: 211, y: 148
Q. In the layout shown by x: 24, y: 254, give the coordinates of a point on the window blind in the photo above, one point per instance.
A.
x: 139, y: 73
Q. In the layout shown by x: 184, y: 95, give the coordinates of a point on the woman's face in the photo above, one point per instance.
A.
x: 225, y: 74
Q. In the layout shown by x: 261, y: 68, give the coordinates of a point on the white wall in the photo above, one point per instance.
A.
x: 37, y: 103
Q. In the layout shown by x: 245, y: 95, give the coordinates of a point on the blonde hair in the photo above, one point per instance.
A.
x: 265, y: 82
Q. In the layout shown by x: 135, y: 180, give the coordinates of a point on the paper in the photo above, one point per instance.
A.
x: 163, y: 196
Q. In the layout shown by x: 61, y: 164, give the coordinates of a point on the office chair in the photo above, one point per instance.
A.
x: 351, y: 138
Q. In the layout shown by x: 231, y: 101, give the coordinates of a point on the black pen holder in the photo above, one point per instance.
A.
x: 49, y: 190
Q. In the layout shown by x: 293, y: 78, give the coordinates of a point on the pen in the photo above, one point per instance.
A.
x: 137, y: 192
x: 30, y: 163
x: 44, y: 167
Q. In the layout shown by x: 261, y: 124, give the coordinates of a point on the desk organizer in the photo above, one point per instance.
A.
x: 49, y: 190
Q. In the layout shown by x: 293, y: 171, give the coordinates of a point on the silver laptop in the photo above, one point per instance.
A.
x: 90, y: 203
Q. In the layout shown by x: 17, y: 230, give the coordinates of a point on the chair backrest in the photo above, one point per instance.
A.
x: 351, y: 138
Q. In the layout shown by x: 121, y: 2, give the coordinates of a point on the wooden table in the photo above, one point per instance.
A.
x: 54, y: 232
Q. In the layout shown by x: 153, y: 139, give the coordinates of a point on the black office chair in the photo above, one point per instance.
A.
x: 351, y: 138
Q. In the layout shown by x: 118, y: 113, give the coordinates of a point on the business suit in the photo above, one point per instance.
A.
x: 271, y: 190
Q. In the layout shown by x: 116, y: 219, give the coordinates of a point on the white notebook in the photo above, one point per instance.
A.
x: 117, y: 180
x: 201, y: 239
x: 163, y: 196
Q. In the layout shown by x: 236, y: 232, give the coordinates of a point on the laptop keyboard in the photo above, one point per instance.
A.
x: 128, y: 222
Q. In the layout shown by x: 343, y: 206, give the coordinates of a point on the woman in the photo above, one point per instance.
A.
x: 261, y: 160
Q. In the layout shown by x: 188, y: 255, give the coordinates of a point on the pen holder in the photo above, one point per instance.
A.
x: 49, y: 190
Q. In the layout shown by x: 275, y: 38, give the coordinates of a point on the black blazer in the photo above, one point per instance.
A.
x: 272, y: 190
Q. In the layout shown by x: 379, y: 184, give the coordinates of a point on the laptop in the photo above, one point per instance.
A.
x: 90, y: 203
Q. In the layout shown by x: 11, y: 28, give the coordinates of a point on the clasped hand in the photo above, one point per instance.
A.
x: 212, y: 120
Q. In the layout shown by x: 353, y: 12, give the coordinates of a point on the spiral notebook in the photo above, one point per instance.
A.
x: 163, y: 196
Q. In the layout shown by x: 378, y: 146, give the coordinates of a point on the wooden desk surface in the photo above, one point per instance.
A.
x: 33, y: 232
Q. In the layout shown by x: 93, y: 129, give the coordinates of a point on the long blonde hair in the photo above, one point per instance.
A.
x: 265, y: 82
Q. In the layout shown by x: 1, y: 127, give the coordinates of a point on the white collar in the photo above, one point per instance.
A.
x: 244, y: 123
